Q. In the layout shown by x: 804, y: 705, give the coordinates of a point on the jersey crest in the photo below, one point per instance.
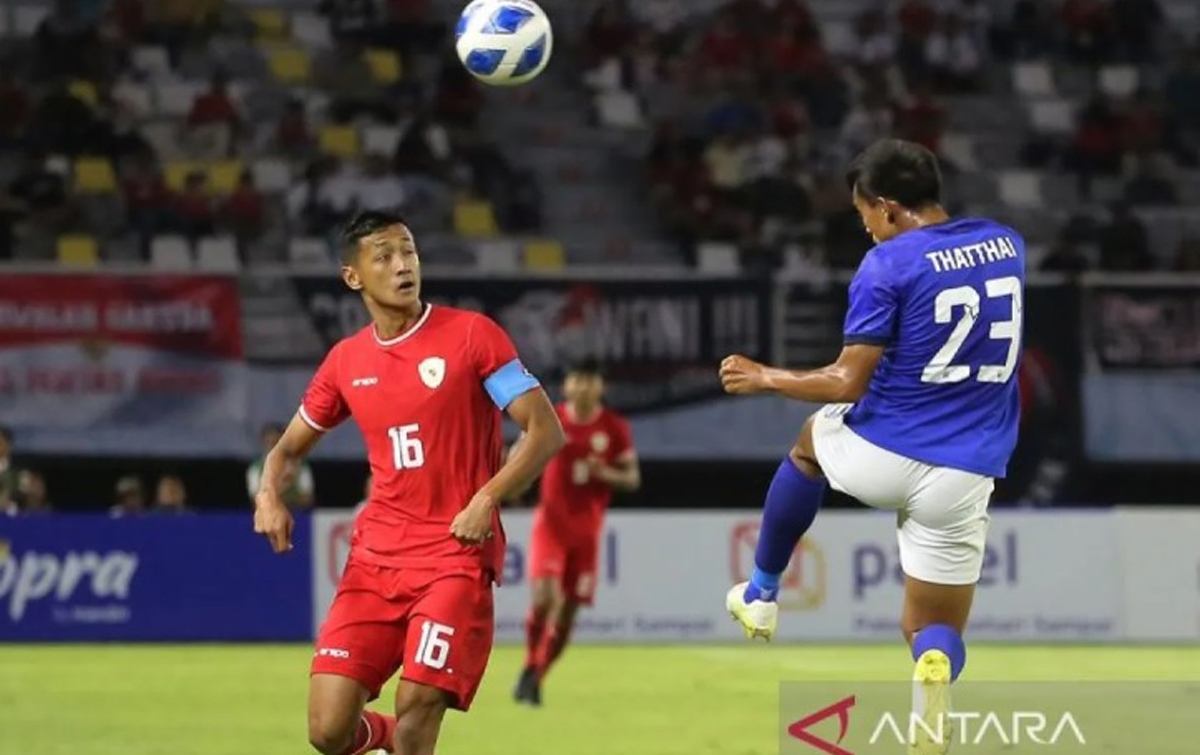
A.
x: 432, y: 371
x: 599, y: 442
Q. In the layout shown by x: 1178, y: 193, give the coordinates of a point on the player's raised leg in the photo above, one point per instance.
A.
x: 543, y: 608
x: 791, y: 506
x: 576, y: 589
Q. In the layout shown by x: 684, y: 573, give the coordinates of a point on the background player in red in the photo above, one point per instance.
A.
x: 575, y: 492
x: 426, y: 386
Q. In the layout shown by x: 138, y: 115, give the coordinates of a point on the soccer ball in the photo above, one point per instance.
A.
x: 504, y: 42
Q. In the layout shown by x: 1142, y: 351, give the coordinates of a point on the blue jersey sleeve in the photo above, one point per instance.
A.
x: 872, y: 315
x: 507, y: 383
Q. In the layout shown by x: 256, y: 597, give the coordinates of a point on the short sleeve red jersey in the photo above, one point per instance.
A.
x: 428, y: 407
x: 571, y: 499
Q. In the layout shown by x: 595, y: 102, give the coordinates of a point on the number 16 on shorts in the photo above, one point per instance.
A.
x: 433, y: 650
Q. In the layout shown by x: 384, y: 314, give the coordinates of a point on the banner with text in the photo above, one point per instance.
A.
x: 138, y: 364
x: 1046, y: 577
x: 164, y: 578
x: 659, y: 339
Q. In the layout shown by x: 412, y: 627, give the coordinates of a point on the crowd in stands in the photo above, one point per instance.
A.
x: 127, y: 120
x: 756, y: 107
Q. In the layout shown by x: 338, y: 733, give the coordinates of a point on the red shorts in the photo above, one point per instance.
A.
x: 569, y: 557
x: 436, y: 624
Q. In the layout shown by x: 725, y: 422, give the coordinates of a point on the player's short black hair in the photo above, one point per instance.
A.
x: 586, y: 367
x: 904, y: 172
x: 362, y: 225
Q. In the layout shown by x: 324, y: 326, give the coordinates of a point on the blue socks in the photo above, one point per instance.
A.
x: 791, y: 506
x: 946, y: 639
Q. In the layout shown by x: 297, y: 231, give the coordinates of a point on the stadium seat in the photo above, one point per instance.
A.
x: 174, y: 98
x: 176, y: 171
x: 94, y: 175
x: 218, y: 255
x: 170, y: 253
x: 545, y: 254
x: 153, y: 61
x: 223, y: 176
x: 78, y: 250
x: 27, y: 18
x: 135, y: 97
x: 959, y: 149
x: 340, y: 141
x: 475, y: 219
x: 496, y: 257
x: 718, y: 258
x: 290, y: 65
x: 269, y: 23
x: 840, y: 38
x: 84, y: 91
x: 384, y: 65
x: 1052, y: 117
x: 311, y: 31
x: 1033, y: 80
x: 1020, y: 188
x: 309, y: 252
x: 380, y: 140
x: 1119, y: 81
x: 619, y: 110
x: 272, y: 176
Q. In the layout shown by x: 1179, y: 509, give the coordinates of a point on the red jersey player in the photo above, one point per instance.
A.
x: 575, y: 492
x: 426, y: 386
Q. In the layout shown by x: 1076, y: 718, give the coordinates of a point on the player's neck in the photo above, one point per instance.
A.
x: 926, y: 217
x: 585, y: 414
x: 392, y: 323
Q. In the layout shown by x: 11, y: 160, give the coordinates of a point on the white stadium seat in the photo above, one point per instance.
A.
x: 1033, y: 80
x: 719, y: 257
x: 272, y: 176
x: 170, y: 253
x: 309, y: 252
x: 1020, y: 188
x: 218, y: 255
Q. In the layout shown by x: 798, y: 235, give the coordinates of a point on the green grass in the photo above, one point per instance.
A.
x: 250, y: 700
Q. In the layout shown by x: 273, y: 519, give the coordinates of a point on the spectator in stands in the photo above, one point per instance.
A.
x: 1096, y: 145
x: 608, y: 34
x: 1136, y: 23
x: 32, y: 498
x: 310, y: 211
x: 1065, y: 256
x: 181, y: 24
x: 1030, y: 30
x: 298, y: 492
x: 171, y: 496
x: 922, y: 119
x: 146, y: 197
x: 243, y: 212
x: 869, y: 121
x: 130, y: 497
x: 1142, y: 130
x: 1187, y: 258
x: 917, y: 20
x: 66, y: 43
x: 412, y: 27
x: 16, y: 106
x: 666, y: 20
x: 8, y: 470
x: 1088, y: 29
x: 37, y: 203
x: 377, y: 187
x: 458, y: 100
x: 1150, y: 186
x: 354, y: 21
x: 64, y: 124
x: 952, y: 55
x: 191, y: 210
x: 292, y: 135
x: 1181, y: 92
x: 1124, y: 243
x: 214, y: 123
x: 876, y: 43
x: 344, y: 75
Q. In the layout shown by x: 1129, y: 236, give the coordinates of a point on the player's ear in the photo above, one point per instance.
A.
x: 351, y: 279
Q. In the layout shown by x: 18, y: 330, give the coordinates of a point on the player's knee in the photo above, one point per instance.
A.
x: 803, y: 454
x: 418, y: 718
x: 545, y: 596
x: 329, y: 734
x: 565, y: 617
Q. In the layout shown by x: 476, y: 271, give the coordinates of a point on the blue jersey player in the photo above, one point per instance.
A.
x: 922, y: 407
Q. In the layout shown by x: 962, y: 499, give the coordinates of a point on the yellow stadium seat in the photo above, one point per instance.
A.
x: 384, y: 64
x: 177, y: 171
x: 475, y: 219
x: 341, y: 141
x: 78, y: 250
x: 94, y: 175
x: 84, y: 91
x: 545, y: 254
x: 223, y: 177
x: 290, y: 65
x: 271, y: 23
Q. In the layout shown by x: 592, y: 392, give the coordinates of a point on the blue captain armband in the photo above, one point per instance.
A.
x: 507, y: 383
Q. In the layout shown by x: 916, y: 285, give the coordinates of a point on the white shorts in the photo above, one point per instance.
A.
x: 942, y: 517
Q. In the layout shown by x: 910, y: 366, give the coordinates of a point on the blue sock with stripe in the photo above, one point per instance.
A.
x: 791, y: 506
x: 944, y: 638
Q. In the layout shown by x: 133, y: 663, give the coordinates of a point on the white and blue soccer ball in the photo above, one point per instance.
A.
x: 504, y: 42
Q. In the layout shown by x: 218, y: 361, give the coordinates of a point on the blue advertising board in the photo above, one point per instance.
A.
x: 157, y: 578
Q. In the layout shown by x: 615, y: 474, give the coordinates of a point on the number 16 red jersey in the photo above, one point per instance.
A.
x: 428, y: 404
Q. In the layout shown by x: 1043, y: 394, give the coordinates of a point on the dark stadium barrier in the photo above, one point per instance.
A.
x: 188, y: 577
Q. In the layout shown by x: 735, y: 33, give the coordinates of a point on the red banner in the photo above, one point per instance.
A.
x: 194, y: 315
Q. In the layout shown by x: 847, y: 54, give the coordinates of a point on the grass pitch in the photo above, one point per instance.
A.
x: 673, y: 700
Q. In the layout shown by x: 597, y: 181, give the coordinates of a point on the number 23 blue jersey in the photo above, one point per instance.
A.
x: 946, y: 303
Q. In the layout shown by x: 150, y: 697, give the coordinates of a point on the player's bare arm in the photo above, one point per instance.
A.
x: 844, y: 381
x: 542, y: 438
x: 271, y: 516
x: 623, y: 475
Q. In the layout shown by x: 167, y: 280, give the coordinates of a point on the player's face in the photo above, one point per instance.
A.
x: 875, y: 215
x: 583, y: 389
x: 387, y: 268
